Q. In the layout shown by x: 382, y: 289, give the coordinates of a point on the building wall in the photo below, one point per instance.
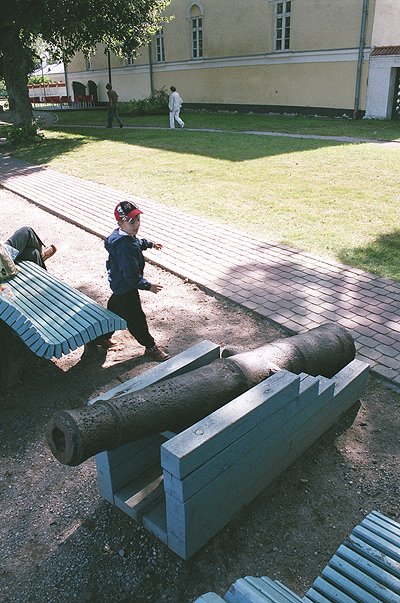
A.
x: 386, y: 28
x: 382, y: 70
x: 239, y: 64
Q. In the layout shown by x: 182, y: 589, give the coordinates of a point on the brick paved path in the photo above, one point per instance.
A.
x: 294, y: 290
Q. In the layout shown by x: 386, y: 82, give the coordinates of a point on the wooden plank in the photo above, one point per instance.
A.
x: 73, y: 304
x: 244, y: 443
x: 200, y: 442
x: 7, y: 311
x: 374, y: 554
x: 272, y: 441
x: 117, y: 468
x: 46, y: 304
x: 322, y: 592
x: 48, y: 325
x: 273, y: 589
x: 155, y: 521
x: 259, y: 590
x: 390, y: 523
x: 196, y: 532
x: 196, y: 356
x: 349, y: 377
x: 381, y: 521
x: 139, y: 496
x: 114, y: 459
x: 350, y: 563
x: 379, y: 540
x: 64, y: 317
x: 366, y: 590
x: 209, y: 598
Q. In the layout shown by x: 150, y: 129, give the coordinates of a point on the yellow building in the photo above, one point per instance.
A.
x: 336, y: 57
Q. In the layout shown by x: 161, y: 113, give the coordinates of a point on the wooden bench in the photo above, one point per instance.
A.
x: 365, y: 569
x: 47, y: 316
x: 184, y: 488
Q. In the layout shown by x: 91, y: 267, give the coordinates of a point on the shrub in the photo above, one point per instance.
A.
x: 39, y: 79
x: 28, y: 133
x: 157, y: 104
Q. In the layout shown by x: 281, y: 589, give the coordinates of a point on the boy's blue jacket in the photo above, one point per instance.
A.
x: 125, y: 262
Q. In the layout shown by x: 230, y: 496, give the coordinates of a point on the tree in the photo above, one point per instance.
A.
x: 66, y: 27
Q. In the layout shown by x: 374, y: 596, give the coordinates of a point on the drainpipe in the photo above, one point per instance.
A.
x: 151, y: 71
x: 360, y: 58
x: 109, y: 66
x: 66, y: 79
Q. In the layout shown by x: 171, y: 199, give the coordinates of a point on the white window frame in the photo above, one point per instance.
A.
x: 160, y: 51
x: 130, y: 59
x: 282, y: 25
x: 196, y: 31
x: 89, y: 61
x: 197, y: 37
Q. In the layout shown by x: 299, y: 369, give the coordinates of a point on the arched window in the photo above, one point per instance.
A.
x: 195, y: 17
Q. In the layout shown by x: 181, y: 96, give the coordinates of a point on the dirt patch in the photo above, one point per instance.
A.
x: 59, y: 541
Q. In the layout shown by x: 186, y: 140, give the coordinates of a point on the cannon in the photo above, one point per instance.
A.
x: 176, y: 403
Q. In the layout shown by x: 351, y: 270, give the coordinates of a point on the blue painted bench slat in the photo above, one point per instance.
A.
x: 36, y: 287
x: 39, y: 303
x: 51, y: 317
x: 259, y: 590
x: 366, y: 568
x: 357, y: 573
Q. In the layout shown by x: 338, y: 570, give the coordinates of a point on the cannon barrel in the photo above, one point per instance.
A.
x: 176, y: 403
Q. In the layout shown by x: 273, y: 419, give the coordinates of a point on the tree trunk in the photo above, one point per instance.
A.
x: 16, y: 67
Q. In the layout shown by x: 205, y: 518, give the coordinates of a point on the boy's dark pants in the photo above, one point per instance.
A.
x: 128, y: 306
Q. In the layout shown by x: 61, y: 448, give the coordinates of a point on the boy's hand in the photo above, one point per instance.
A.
x: 157, y: 246
x: 155, y: 288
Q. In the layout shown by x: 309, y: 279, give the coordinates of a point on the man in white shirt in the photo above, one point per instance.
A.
x: 175, y: 104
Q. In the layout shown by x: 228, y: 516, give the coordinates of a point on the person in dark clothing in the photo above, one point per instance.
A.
x: 125, y: 267
x: 112, y: 107
x: 25, y: 244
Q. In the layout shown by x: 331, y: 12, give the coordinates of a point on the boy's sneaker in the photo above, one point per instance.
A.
x: 157, y: 353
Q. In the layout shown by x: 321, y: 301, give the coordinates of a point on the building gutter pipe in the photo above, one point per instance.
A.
x: 360, y: 58
x: 151, y: 71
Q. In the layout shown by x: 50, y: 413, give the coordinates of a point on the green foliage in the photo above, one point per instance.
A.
x: 38, y: 79
x: 17, y: 135
x: 67, y: 27
x: 157, y: 104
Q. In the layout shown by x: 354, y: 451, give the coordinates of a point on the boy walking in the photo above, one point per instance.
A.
x: 125, y: 266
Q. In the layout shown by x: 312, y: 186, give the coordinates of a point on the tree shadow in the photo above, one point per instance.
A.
x: 381, y: 256
x: 226, y: 146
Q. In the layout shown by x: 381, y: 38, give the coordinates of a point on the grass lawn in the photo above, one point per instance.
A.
x: 365, y: 128
x: 335, y: 199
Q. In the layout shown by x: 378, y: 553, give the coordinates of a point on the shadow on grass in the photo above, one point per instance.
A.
x: 226, y: 146
x: 382, y: 256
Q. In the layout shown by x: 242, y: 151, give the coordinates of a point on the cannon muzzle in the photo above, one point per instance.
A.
x: 176, y: 403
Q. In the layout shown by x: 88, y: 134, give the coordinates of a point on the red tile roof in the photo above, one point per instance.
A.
x: 385, y: 50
